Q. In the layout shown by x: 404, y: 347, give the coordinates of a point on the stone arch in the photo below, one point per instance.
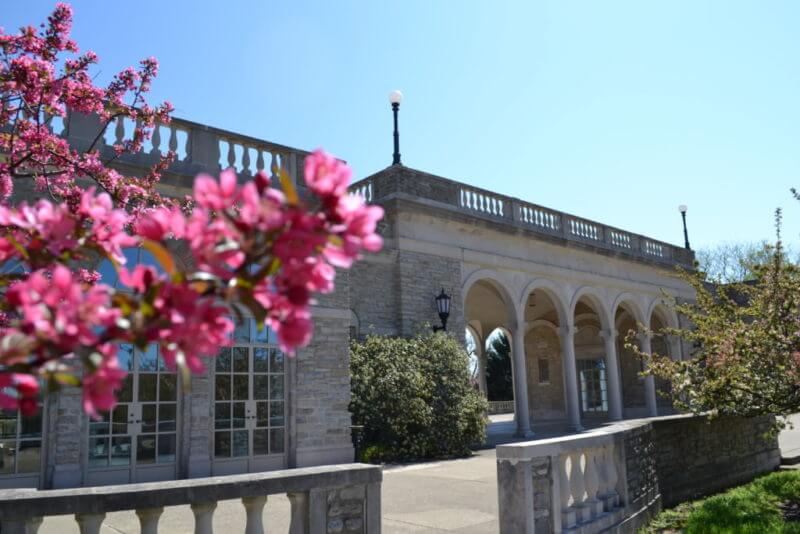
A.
x: 660, y: 316
x: 629, y: 303
x: 595, y: 299
x: 553, y: 292
x: 496, y: 280
x: 541, y: 322
x: 660, y: 308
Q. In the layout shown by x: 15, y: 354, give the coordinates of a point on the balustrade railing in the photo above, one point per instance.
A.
x: 411, y: 184
x: 325, y: 499
x: 482, y: 202
x: 582, y: 476
x: 199, y: 148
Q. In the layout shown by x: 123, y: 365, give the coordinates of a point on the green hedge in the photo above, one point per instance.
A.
x: 414, y: 398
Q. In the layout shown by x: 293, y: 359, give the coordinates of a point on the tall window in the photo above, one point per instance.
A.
x: 592, y: 373
x: 20, y: 442
x: 544, y: 371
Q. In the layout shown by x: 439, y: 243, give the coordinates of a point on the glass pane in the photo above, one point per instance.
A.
x: 166, y: 418
x: 6, y: 457
x: 241, y: 333
x: 8, y: 424
x: 276, y: 440
x: 125, y: 356
x: 31, y: 426
x: 259, y: 386
x: 240, y: 443
x: 240, y: 364
x: 276, y: 387
x: 275, y: 361
x: 260, y: 442
x: 223, y: 362
x: 126, y: 393
x: 148, y: 360
x: 260, y: 357
x: 148, y: 418
x: 166, y: 448
x: 262, y: 333
x: 222, y: 415
x: 167, y: 387
x: 261, y: 414
x: 146, y: 449
x: 100, y: 426
x: 120, y: 419
x: 240, y: 383
x: 147, y: 387
x: 29, y: 457
x: 222, y: 444
x: 121, y: 450
x: 276, y: 414
x: 238, y: 414
x: 223, y: 387
x: 98, y: 452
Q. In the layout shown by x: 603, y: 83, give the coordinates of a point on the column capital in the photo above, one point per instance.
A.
x: 567, y: 330
x: 609, y: 334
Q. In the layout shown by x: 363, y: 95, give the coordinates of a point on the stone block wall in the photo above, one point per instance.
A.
x: 696, y: 457
x: 422, y: 277
x: 641, y: 467
x: 545, y: 400
x: 375, y: 296
x: 322, y: 394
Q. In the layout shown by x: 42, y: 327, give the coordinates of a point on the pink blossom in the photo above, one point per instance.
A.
x: 325, y: 175
x: 100, y: 387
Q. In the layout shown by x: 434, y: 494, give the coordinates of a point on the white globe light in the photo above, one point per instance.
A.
x: 682, y: 208
x: 395, y: 97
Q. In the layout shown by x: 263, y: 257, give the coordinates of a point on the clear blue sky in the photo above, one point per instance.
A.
x: 615, y: 111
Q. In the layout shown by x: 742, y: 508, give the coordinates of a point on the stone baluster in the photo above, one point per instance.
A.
x: 156, y: 140
x: 298, y: 518
x: 172, y: 144
x: 254, y: 506
x: 203, y: 517
x: 231, y: 155
x: 148, y: 519
x: 29, y: 525
x: 246, y: 161
x: 568, y: 519
x: 577, y: 480
x: 90, y: 523
x: 119, y: 130
x: 259, y: 160
x: 592, y: 478
x: 611, y: 496
x: 273, y: 165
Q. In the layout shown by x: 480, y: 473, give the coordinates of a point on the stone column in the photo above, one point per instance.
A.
x: 481, y: 355
x: 649, y: 380
x: 520, y: 376
x: 567, y: 334
x: 612, y: 374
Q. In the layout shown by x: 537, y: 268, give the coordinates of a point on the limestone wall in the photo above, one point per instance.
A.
x: 696, y: 457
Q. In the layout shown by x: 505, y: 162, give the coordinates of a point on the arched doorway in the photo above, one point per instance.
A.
x: 590, y: 360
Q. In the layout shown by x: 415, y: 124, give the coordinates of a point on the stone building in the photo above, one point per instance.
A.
x: 564, y: 288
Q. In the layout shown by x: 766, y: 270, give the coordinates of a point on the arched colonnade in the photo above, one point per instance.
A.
x: 568, y: 356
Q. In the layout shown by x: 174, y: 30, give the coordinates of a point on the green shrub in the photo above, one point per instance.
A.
x: 414, y: 398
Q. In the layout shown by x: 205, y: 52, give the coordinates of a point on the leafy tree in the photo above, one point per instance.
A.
x: 736, y: 262
x: 499, y: 381
x: 746, y: 343
x: 414, y: 398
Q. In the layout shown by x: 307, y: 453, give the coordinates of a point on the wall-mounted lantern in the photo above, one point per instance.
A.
x: 443, y: 307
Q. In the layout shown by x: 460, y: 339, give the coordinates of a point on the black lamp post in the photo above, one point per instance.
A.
x: 395, y: 97
x: 683, y: 209
x: 443, y: 307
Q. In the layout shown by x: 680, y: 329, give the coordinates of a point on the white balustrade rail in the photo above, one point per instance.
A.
x: 585, y: 229
x: 482, y: 202
x: 651, y: 248
x: 323, y: 499
x: 584, y: 474
x: 539, y: 217
x: 363, y: 189
x: 620, y: 239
